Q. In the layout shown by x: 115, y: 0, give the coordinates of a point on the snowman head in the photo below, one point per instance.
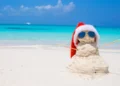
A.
x: 85, y: 34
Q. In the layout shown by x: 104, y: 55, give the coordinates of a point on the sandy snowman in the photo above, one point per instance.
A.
x: 85, y: 58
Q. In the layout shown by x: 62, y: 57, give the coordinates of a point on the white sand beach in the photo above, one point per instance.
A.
x: 42, y: 65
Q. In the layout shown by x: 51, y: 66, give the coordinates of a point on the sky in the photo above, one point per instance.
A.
x: 60, y: 12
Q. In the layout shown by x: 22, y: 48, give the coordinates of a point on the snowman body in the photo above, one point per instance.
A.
x: 88, y: 61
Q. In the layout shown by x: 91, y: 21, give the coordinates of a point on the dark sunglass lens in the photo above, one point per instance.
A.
x: 81, y: 35
x: 91, y: 34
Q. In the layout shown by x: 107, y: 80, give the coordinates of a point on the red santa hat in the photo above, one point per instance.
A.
x: 81, y: 27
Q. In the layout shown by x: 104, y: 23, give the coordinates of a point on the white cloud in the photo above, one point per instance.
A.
x: 24, y: 10
x: 8, y: 8
x: 69, y: 7
x: 47, y: 7
x: 59, y: 5
x: 22, y: 7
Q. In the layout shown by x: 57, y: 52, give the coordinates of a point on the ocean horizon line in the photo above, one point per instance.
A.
x: 40, y: 24
x: 58, y: 25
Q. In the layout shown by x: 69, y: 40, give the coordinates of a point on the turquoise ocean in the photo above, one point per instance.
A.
x: 52, y: 35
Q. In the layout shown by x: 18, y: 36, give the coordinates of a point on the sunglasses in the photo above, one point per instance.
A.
x: 90, y: 33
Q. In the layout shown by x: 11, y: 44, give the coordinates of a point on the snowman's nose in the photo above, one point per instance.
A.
x: 87, y: 37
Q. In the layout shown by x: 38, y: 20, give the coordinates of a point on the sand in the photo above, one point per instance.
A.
x: 43, y: 65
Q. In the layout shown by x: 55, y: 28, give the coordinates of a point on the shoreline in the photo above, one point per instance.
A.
x: 61, y: 43
x: 53, y: 46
